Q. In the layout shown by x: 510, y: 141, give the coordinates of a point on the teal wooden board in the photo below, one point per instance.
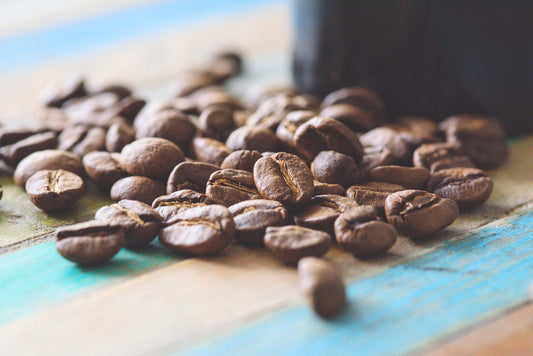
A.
x: 404, y: 308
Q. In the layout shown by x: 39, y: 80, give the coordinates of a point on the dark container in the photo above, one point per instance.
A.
x: 432, y: 58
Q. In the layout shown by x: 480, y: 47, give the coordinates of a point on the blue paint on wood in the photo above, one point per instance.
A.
x: 105, y: 29
x: 405, y: 307
x: 37, y: 277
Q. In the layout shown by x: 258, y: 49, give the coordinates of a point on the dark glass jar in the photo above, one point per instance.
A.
x: 425, y: 57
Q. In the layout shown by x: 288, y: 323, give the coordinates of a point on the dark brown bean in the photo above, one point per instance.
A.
x: 170, y: 125
x: 55, y: 94
x: 81, y: 140
x: 128, y: 108
x: 252, y: 138
x: 356, y: 118
x: 11, y: 135
x: 169, y: 205
x: 373, y: 193
x: 325, y: 188
x: 118, y: 136
x: 103, y: 168
x: 216, y: 122
x: 360, y: 97
x: 225, y: 65
x: 427, y: 154
x: 43, y: 160
x: 54, y: 190
x: 336, y: 168
x: 121, y: 90
x: 242, y: 159
x: 416, y: 131
x: 452, y: 162
x: 189, y: 82
x: 138, y: 188
x: 384, y: 146
x: 408, y: 177
x: 287, y: 128
x: 190, y: 175
x: 209, y: 150
x: 231, y: 186
x: 322, y: 212
x: 16, y: 152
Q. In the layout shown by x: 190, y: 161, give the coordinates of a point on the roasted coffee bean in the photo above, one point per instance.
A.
x: 284, y: 177
x: 54, y: 190
x: 480, y: 138
x: 81, y: 140
x: 232, y: 186
x: 469, y: 187
x: 190, y: 175
x: 291, y: 243
x: 261, y: 94
x: 356, y: 118
x: 169, y: 205
x: 216, y: 98
x: 128, y: 108
x: 427, y: 154
x: 190, y: 81
x: 287, y: 128
x: 252, y: 217
x: 360, y: 97
x: 103, y: 168
x: 57, y: 93
x: 453, y: 162
x: 139, y: 221
x: 242, y: 159
x: 373, y: 193
x: 46, y: 160
x: 360, y: 231
x: 118, y: 136
x: 420, y: 214
x: 416, y: 131
x: 120, y: 90
x: 323, y: 285
x: 252, y: 138
x: 138, y: 188
x: 322, y: 212
x: 86, y: 109
x: 225, y: 65
x: 201, y: 230
x: 89, y: 243
x: 151, y: 109
x: 151, y: 157
x: 323, y: 134
x: 216, y: 122
x: 209, y: 150
x: 336, y: 168
x: 11, y: 135
x: 384, y: 146
x: 325, y: 188
x: 16, y: 152
x: 170, y: 125
x: 408, y: 177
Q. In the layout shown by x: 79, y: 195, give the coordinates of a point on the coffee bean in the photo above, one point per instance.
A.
x: 356, y: 118
x: 54, y: 190
x: 201, y: 230
x: 226, y: 65
x: 322, y: 212
x: 452, y: 162
x: 190, y: 81
x: 170, y: 125
x: 139, y: 221
x: 252, y: 138
x: 231, y: 186
x: 81, y: 140
x: 284, y: 177
x: 216, y: 98
x: 419, y: 214
x: 55, y: 94
x: 360, y: 231
x: 118, y: 136
x: 169, y: 205
x: 128, y: 108
x: 261, y: 94
x: 252, y: 217
x: 84, y: 110
x: 209, y: 150
x: 216, y: 122
x: 90, y: 243
x: 416, y: 131
x: 325, y: 188
x: 408, y: 177
x: 151, y: 157
x: 469, y: 187
x: 190, y: 175
x: 120, y: 90
x: 427, y: 154
x: 151, y: 109
x: 11, y: 135
x: 323, y: 285
x: 323, y: 134
x: 292, y: 243
x: 43, y: 160
x: 384, y: 146
x: 138, y: 188
x: 287, y: 128
x: 16, y: 152
x: 103, y: 168
x: 336, y: 168
x: 360, y: 97
x: 242, y: 159
x: 373, y: 193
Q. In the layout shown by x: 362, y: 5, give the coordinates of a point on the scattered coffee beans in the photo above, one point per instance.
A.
x: 373, y: 193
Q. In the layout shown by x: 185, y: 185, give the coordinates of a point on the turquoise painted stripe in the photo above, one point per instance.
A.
x: 113, y: 27
x: 37, y: 277
x: 402, y: 309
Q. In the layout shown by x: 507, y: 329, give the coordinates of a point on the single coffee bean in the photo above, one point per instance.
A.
x: 291, y: 243
x: 220, y: 98
x: 261, y: 94
x: 242, y: 159
x: 420, y: 214
x: 252, y: 138
x: 190, y: 175
x: 231, y: 186
x: 118, y: 136
x: 252, y: 217
x: 170, y: 125
x: 11, y: 135
x: 89, y: 243
x: 336, y: 168
x: 408, y: 177
x: 360, y: 97
x: 151, y: 110
x: 323, y: 285
x: 287, y: 128
x: 480, y: 138
x: 209, y: 150
x: 84, y: 110
x: 43, y: 160
x: 16, y: 152
x: 284, y: 177
x: 469, y: 187
x: 81, y: 140
x: 139, y: 221
x: 452, y: 162
x: 201, y: 230
x: 169, y: 205
x: 427, y: 154
x: 360, y: 231
x: 190, y: 81
x: 128, y: 108
x: 416, y: 131
x: 120, y: 90
x: 55, y: 94
x: 54, y: 190
x: 216, y: 122
x: 373, y: 193
x: 356, y: 118
x: 384, y: 146
x: 226, y: 65
x: 325, y: 188
x: 151, y: 157
x: 103, y: 168
x: 138, y: 188
x: 322, y: 212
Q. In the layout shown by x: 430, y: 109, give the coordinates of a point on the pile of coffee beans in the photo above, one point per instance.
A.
x: 284, y: 170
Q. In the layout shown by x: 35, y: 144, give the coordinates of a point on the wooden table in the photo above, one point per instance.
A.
x: 463, y: 292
